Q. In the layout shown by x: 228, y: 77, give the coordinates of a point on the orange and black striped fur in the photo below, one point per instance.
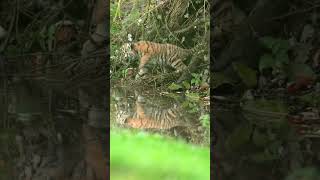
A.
x: 164, y: 54
x: 145, y: 117
x: 145, y: 112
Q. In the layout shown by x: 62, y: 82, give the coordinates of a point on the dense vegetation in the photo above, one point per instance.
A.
x: 183, y: 23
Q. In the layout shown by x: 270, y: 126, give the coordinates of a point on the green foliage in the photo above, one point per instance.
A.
x: 192, y: 96
x: 269, y: 154
x: 262, y: 111
x: 186, y: 84
x: 174, y: 87
x: 306, y: 173
x: 311, y: 99
x: 191, y: 106
x: 248, y: 75
x: 124, y: 72
x: 239, y: 138
x: 166, y: 23
x: 205, y: 120
x: 299, y: 69
x: 276, y: 45
x: 219, y: 79
x: 196, y: 79
x: 145, y: 156
x: 278, y: 56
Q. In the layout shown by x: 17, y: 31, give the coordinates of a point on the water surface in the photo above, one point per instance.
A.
x: 170, y: 114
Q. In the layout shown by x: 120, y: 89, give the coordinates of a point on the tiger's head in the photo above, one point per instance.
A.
x: 123, y: 107
x: 122, y: 116
x: 128, y: 50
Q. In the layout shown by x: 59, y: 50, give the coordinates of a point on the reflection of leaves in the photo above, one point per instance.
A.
x: 239, y: 137
x: 282, y: 58
x: 264, y: 111
x: 12, y: 50
x: 247, y: 74
x: 260, y: 139
x: 300, y: 70
x: 219, y: 79
x: 267, y: 105
x: 309, y: 173
x: 263, y: 156
x: 280, y: 46
x: 312, y: 99
x: 276, y: 45
x: 307, y: 33
x: 266, y: 61
x: 268, y: 42
x: 269, y: 154
x: 51, y: 32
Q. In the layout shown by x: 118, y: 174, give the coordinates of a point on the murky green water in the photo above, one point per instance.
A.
x: 169, y: 114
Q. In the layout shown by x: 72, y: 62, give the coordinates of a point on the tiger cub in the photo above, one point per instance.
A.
x: 146, y: 115
x: 163, y: 54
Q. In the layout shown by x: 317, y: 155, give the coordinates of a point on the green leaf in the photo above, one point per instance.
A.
x: 51, y: 33
x: 248, y: 75
x: 205, y: 120
x: 175, y: 87
x: 266, y: 61
x: 186, y: 84
x: 195, y: 75
x: 193, y: 96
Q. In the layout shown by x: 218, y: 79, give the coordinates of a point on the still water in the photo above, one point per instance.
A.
x: 168, y: 114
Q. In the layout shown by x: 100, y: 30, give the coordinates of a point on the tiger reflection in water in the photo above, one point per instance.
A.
x: 149, y: 112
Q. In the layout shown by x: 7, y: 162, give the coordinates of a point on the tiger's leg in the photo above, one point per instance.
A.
x: 142, y: 72
x: 178, y: 65
x: 144, y: 60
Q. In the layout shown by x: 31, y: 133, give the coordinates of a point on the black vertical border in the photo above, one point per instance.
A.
x: 212, y: 125
x: 108, y: 86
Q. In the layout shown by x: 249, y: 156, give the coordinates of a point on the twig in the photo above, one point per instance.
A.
x: 295, y: 12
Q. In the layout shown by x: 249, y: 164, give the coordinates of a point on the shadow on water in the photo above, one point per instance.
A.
x: 50, y: 132
x: 172, y: 115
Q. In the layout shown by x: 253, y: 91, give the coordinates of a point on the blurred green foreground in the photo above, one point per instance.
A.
x: 141, y: 156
